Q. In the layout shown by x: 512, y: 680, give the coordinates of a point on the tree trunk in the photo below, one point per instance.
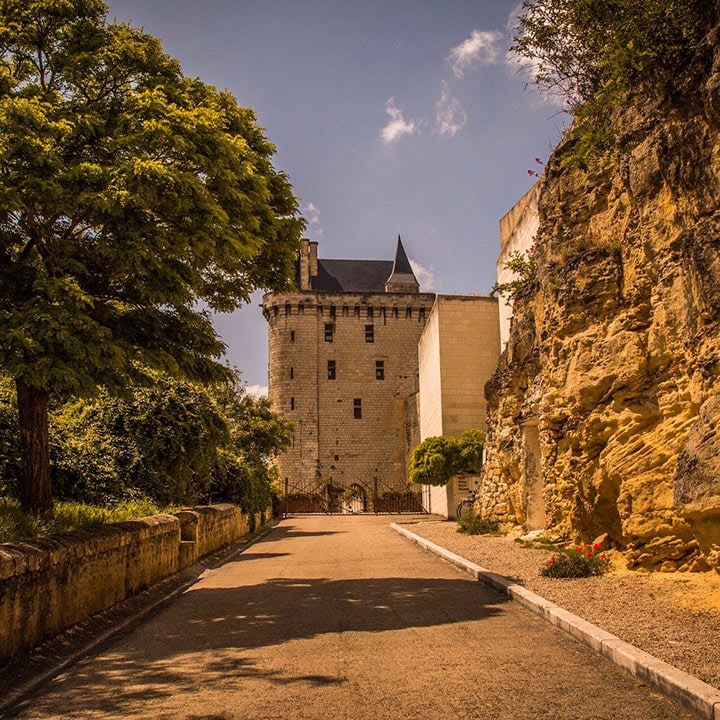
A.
x: 35, y: 494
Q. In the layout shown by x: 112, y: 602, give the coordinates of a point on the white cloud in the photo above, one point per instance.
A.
x: 397, y: 126
x: 449, y: 113
x: 425, y: 277
x: 257, y: 391
x: 312, y: 215
x: 481, y: 48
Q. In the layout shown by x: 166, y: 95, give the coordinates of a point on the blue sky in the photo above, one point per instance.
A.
x: 399, y: 117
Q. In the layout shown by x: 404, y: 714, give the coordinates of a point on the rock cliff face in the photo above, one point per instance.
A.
x: 613, y: 369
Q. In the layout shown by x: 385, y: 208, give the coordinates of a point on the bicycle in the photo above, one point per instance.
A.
x: 467, y: 505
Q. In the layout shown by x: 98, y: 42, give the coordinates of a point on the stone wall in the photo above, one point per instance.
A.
x: 50, y: 584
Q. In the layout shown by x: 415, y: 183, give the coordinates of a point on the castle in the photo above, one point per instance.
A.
x: 367, y: 366
x: 342, y: 364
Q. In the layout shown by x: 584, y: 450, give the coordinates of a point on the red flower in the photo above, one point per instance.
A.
x: 597, y: 546
x: 588, y: 555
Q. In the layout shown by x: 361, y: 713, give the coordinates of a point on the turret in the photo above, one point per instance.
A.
x: 402, y: 278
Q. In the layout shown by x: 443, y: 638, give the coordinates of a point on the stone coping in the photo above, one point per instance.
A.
x: 689, y: 691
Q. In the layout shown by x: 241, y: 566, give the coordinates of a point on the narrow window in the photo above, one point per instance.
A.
x: 408, y: 312
x: 356, y: 311
x: 332, y: 311
x: 382, y: 313
x: 331, y: 369
x: 395, y: 312
x: 276, y: 310
x: 379, y: 369
x: 346, y: 310
x: 421, y: 314
x: 301, y: 308
x: 292, y: 373
x: 287, y: 309
x: 329, y: 330
x: 369, y: 312
x: 369, y: 333
x: 357, y: 408
x: 292, y: 336
x: 292, y: 403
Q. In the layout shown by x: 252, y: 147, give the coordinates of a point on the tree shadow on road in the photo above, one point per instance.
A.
x: 204, y: 638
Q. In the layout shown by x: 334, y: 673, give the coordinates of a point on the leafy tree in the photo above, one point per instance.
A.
x: 434, y: 460
x: 159, y: 442
x: 244, y: 474
x: 598, y: 54
x: 128, y: 193
x: 471, y: 444
x: 437, y: 459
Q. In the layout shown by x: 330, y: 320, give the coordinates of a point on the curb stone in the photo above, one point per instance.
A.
x: 690, y: 692
x: 52, y: 658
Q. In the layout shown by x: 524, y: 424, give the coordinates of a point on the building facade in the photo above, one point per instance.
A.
x: 458, y: 353
x: 342, y: 364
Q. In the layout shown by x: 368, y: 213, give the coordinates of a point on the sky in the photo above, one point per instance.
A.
x: 406, y: 117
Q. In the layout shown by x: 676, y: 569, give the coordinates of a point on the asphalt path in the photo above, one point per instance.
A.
x: 340, y: 617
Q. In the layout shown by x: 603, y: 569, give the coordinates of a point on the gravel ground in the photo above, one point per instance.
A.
x: 673, y: 616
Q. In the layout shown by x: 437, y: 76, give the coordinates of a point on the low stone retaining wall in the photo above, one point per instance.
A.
x: 50, y: 584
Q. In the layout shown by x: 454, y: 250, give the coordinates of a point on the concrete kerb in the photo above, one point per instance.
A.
x: 188, y: 577
x: 692, y: 693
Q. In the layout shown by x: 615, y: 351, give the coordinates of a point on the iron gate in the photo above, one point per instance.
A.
x: 357, y: 498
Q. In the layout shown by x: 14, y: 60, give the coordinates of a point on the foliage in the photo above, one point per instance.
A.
x: 9, y: 442
x: 128, y: 194
x: 472, y: 524
x: 434, y: 460
x: 175, y: 442
x: 15, y: 524
x: 471, y: 444
x: 577, y: 561
x: 437, y: 459
x: 243, y: 473
x: 595, y: 55
x: 160, y: 442
x: 525, y: 281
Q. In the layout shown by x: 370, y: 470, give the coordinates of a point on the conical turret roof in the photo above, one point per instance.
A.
x: 402, y: 278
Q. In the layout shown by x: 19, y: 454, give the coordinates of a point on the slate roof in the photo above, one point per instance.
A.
x: 363, y: 275
x: 352, y: 275
x: 402, y: 272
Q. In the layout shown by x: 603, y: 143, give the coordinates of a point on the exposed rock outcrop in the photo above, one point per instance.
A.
x: 617, y: 358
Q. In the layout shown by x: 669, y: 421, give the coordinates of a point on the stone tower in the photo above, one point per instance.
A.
x: 342, y: 363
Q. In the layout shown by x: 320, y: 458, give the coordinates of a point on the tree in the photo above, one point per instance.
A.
x: 128, y: 194
x: 597, y: 55
x: 243, y: 474
x: 159, y: 442
x: 437, y: 459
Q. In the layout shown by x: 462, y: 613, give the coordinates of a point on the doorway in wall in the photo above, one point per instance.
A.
x: 532, y: 478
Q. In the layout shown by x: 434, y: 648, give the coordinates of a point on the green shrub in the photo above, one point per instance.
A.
x: 577, y: 562
x: 472, y: 524
x: 437, y: 459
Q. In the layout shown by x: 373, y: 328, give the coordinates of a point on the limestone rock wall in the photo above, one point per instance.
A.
x: 617, y: 359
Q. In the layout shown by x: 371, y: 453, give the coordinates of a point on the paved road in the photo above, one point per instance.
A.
x: 340, y: 617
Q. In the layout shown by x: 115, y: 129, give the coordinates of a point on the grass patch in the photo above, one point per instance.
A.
x: 472, y: 524
x: 540, y: 543
x: 66, y: 516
